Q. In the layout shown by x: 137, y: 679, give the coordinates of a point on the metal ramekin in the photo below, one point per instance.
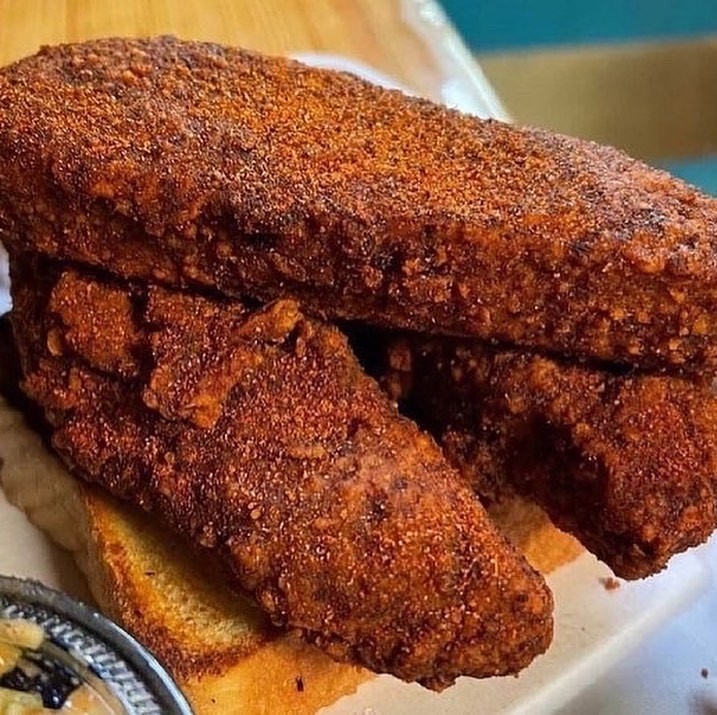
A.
x: 101, y: 654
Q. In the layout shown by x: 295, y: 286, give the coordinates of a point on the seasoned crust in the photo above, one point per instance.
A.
x: 338, y: 515
x: 627, y: 462
x: 229, y: 659
x: 205, y: 165
x: 219, y: 648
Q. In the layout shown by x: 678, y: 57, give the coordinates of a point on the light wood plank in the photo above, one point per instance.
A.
x: 371, y: 31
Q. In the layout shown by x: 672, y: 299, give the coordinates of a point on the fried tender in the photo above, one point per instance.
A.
x: 625, y: 462
x: 255, y: 434
x: 194, y: 164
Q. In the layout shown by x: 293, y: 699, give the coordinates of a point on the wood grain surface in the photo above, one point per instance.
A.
x: 408, y: 40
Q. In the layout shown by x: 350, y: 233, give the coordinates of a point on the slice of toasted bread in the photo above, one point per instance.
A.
x: 219, y: 647
x: 530, y: 529
x: 221, y: 650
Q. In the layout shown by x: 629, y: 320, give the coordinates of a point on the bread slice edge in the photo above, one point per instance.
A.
x: 219, y: 648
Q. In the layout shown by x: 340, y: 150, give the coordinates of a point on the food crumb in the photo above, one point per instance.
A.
x: 609, y: 583
x: 705, y: 673
x: 299, y: 683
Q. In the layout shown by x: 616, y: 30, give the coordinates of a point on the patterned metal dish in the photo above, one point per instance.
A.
x: 84, y: 657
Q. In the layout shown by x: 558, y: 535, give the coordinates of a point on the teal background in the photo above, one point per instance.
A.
x: 700, y: 172
x: 511, y: 24
x: 516, y: 25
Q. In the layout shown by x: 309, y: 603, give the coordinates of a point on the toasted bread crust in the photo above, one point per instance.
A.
x: 211, y: 166
x: 164, y: 578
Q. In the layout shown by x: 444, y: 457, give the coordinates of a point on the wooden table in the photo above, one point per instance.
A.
x: 408, y: 40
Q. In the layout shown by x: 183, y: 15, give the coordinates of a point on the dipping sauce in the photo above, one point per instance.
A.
x: 59, y: 655
x: 19, y: 640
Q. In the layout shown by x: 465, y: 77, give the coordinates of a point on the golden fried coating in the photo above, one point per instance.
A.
x: 194, y: 164
x: 625, y: 462
x: 255, y: 434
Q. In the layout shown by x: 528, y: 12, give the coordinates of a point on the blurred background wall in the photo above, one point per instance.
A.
x: 640, y: 74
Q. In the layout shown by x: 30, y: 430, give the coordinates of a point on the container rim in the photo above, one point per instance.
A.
x: 33, y: 593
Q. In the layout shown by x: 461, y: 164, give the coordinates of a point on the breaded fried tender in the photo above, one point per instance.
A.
x: 625, y: 462
x: 255, y: 434
x: 209, y: 166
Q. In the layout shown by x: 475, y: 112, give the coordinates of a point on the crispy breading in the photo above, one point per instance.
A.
x: 222, y: 651
x: 626, y: 462
x: 195, y: 164
x: 256, y: 435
